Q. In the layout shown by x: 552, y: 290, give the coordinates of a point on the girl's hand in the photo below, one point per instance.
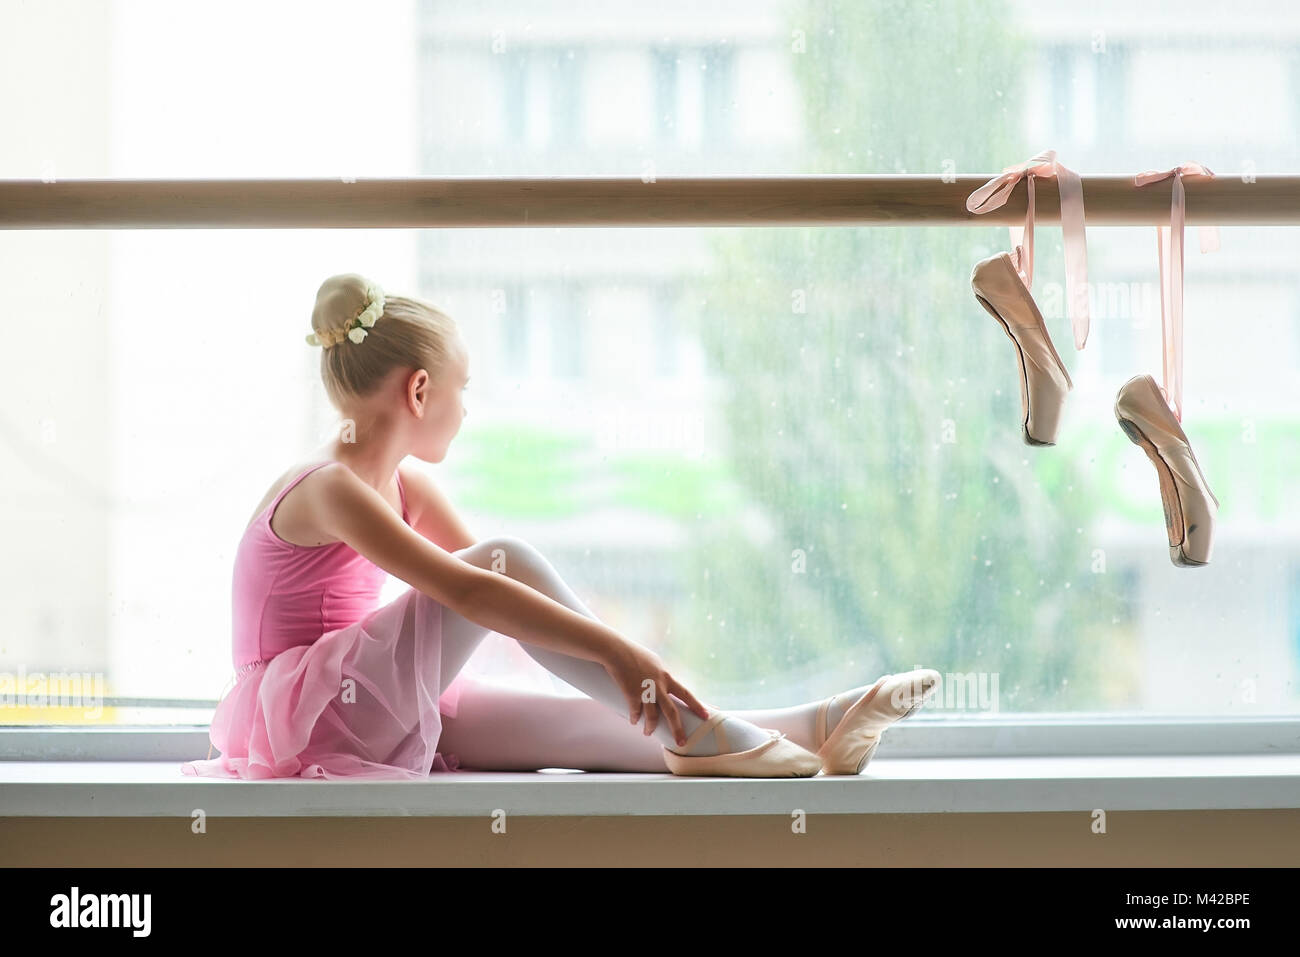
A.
x: 631, y: 665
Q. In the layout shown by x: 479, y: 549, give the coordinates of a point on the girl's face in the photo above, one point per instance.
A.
x: 444, y: 412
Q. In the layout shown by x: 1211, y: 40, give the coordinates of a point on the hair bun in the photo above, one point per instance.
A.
x: 347, y: 305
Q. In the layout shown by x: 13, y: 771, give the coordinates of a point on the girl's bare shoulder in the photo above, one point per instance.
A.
x: 285, y: 477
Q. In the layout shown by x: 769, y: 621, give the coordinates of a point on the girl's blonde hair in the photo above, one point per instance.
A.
x: 409, y: 333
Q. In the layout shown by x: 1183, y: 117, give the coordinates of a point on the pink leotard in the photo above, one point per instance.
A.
x: 286, y: 595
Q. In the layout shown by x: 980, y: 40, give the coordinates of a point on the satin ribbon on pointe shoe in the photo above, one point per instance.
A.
x: 994, y: 194
x: 1169, y: 247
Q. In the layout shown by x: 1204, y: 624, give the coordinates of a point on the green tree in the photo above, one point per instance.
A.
x: 872, y: 407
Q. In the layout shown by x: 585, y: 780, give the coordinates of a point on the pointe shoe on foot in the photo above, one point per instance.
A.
x: 1044, y: 383
x: 853, y: 742
x: 777, y: 757
x: 1190, y: 506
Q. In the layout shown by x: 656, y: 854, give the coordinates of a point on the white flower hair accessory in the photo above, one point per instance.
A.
x: 358, y: 327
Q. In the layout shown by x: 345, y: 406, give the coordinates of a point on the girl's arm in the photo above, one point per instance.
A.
x: 432, y: 514
x: 351, y: 511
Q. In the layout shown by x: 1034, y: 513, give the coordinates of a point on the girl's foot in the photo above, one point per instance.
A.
x: 774, y: 757
x: 737, y: 735
x: 849, y: 725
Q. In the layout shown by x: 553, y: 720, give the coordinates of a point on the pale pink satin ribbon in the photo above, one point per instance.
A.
x: 1169, y: 248
x: 994, y: 194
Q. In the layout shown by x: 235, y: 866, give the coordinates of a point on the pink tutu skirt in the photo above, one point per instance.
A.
x: 359, y: 702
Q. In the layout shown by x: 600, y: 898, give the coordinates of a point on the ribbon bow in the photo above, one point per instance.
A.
x: 995, y: 193
x: 1169, y: 247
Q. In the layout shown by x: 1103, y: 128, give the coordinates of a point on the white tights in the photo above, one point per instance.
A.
x: 504, y: 729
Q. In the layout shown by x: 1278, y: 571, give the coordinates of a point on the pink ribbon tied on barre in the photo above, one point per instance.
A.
x: 1169, y: 247
x: 995, y: 193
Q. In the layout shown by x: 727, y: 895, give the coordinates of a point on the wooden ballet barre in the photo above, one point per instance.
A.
x: 761, y: 200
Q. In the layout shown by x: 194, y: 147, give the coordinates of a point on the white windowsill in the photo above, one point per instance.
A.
x: 926, y: 765
x: 889, y: 786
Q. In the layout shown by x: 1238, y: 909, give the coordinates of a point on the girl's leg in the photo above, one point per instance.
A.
x: 499, y: 728
x: 518, y: 559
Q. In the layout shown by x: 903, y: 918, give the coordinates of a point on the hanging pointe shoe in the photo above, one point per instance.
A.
x: 1044, y: 383
x: 853, y: 742
x: 1190, y: 506
x: 1003, y: 286
x: 1150, y: 415
x: 777, y: 757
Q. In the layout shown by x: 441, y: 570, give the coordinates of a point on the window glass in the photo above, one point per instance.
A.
x: 788, y: 459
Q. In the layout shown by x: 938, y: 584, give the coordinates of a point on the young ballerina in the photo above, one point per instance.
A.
x: 331, y: 684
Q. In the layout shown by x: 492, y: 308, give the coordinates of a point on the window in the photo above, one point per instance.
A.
x: 665, y: 332
x: 566, y: 71
x: 514, y: 312
x: 786, y: 458
x: 718, y: 102
x: 665, y: 81
x: 568, y: 323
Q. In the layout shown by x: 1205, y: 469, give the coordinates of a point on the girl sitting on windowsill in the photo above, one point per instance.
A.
x: 331, y: 684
